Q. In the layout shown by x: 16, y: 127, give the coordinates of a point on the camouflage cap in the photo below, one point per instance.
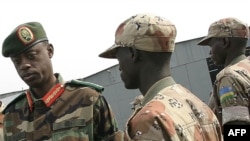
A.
x: 22, y: 38
x: 145, y: 32
x: 227, y: 27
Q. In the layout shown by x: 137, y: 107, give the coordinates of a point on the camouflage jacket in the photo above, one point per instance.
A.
x: 231, y: 91
x: 170, y: 112
x: 79, y: 113
x: 1, y: 126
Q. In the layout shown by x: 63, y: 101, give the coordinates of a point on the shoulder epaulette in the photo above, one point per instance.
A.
x: 94, y: 86
x: 15, y: 100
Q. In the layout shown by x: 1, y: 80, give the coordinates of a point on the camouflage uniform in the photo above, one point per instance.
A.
x: 171, y: 112
x: 69, y: 111
x: 231, y: 88
x: 168, y: 111
x: 79, y: 113
x: 211, y: 103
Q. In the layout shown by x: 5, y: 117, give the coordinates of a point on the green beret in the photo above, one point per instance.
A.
x: 22, y: 38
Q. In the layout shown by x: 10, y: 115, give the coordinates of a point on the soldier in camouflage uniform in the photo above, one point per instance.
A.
x: 228, y: 38
x: 52, y: 109
x: 168, y: 111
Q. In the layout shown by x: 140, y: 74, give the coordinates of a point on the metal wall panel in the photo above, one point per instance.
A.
x: 180, y: 76
x: 199, y: 79
x: 188, y: 51
x: 195, y: 77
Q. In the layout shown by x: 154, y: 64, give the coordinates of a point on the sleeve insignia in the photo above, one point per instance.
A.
x: 226, y: 93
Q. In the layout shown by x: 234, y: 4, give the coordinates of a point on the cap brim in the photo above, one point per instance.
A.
x: 204, y: 41
x: 110, y: 52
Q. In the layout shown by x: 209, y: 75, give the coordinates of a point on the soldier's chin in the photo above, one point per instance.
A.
x: 32, y: 84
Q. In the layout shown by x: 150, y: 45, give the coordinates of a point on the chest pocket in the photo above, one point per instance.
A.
x: 73, y: 129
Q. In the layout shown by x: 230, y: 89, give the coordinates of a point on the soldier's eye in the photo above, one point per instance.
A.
x: 31, y: 55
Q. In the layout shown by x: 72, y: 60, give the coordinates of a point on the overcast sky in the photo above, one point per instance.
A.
x: 81, y: 29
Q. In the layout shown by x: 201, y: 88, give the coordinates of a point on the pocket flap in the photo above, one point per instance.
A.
x: 69, y: 124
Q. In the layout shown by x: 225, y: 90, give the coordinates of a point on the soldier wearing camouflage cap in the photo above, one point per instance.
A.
x: 228, y: 39
x: 143, y: 46
x: 52, y: 109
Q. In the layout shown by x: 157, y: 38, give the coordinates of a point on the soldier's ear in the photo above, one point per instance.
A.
x: 226, y: 42
x: 50, y: 49
x: 134, y: 54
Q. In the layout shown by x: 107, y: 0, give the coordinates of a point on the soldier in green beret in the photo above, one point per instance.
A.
x: 167, y: 111
x: 52, y: 109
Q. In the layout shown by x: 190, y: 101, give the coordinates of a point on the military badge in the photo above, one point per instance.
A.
x: 25, y: 35
x: 226, y: 93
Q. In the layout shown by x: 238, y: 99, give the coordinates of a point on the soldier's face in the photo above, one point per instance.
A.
x: 218, y: 51
x: 127, y: 66
x: 34, y: 65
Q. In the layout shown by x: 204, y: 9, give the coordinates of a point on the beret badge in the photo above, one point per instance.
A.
x: 25, y: 35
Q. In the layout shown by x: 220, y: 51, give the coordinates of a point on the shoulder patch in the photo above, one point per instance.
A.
x: 226, y: 93
x: 21, y: 96
x: 75, y: 82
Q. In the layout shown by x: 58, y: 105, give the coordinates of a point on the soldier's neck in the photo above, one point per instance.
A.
x: 39, y: 92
